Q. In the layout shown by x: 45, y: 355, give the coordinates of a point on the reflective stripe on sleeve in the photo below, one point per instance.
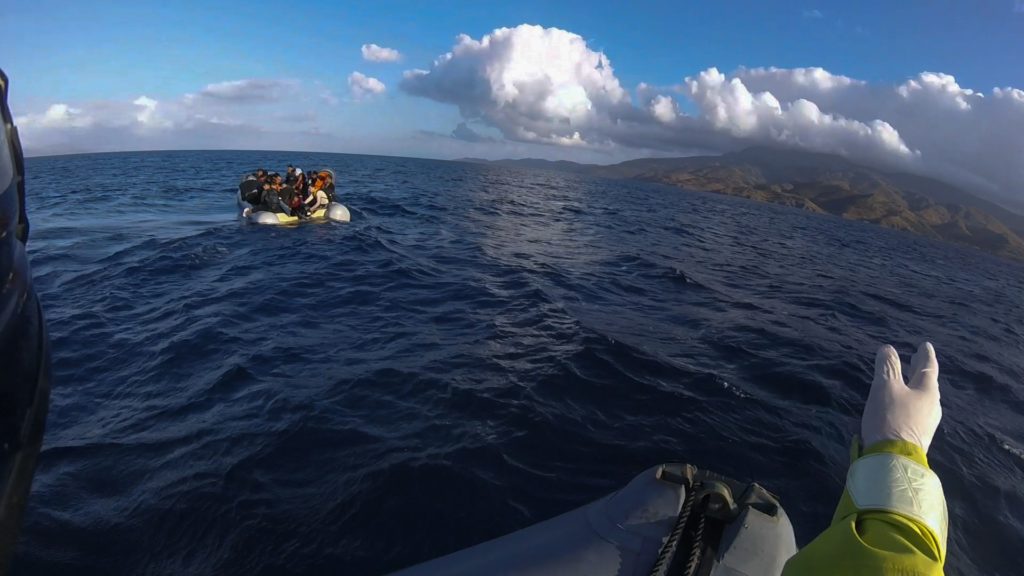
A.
x: 894, y: 483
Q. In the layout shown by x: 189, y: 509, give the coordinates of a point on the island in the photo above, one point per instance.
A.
x: 824, y: 183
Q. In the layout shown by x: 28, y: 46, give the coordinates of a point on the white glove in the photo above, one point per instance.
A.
x: 898, y: 411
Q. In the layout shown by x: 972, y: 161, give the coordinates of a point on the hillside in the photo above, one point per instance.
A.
x: 829, y: 184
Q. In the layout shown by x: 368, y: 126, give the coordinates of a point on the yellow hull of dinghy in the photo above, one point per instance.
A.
x: 286, y: 219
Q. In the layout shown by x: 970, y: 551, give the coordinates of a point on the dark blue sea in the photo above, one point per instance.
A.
x: 479, y: 349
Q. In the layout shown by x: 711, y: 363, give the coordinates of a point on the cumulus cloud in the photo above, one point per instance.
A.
x: 547, y: 85
x: 960, y: 134
x: 730, y: 107
x: 664, y: 108
x: 532, y: 83
x: 363, y: 86
x: 374, y: 53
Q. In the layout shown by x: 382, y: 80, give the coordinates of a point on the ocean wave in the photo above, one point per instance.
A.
x: 479, y: 349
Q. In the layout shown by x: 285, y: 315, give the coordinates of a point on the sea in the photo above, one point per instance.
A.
x: 479, y: 349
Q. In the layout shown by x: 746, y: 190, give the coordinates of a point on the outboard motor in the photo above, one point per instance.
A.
x: 24, y: 346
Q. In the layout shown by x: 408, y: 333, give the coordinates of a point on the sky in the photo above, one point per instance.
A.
x: 933, y: 87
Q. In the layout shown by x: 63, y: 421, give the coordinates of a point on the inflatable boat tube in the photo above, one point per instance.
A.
x: 671, y: 519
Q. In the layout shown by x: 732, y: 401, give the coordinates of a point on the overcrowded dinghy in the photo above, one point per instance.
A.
x: 254, y: 208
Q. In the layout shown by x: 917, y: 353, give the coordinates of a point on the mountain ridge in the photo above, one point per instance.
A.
x: 823, y: 183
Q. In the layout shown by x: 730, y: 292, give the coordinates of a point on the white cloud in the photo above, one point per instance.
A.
x: 942, y: 85
x: 538, y: 84
x: 664, y: 108
x: 759, y: 117
x: 208, y: 118
x: 304, y: 122
x: 963, y: 136
x: 814, y: 14
x: 374, y: 53
x: 56, y: 116
x: 363, y: 86
x: 545, y: 85
x: 251, y: 90
x: 532, y: 83
x: 147, y: 114
x: 817, y: 79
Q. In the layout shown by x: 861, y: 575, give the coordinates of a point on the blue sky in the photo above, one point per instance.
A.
x: 96, y: 59
x: 100, y: 50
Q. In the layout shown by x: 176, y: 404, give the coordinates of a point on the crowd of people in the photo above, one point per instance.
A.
x: 297, y: 193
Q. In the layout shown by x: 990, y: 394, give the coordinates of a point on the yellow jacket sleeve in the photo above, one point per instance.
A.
x: 881, y: 542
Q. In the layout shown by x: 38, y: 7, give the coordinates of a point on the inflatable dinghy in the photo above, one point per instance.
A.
x: 334, y: 211
x: 672, y: 519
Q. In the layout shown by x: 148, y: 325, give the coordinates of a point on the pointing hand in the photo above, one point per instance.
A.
x: 899, y: 411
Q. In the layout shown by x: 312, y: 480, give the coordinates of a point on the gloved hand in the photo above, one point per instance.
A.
x: 898, y: 411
